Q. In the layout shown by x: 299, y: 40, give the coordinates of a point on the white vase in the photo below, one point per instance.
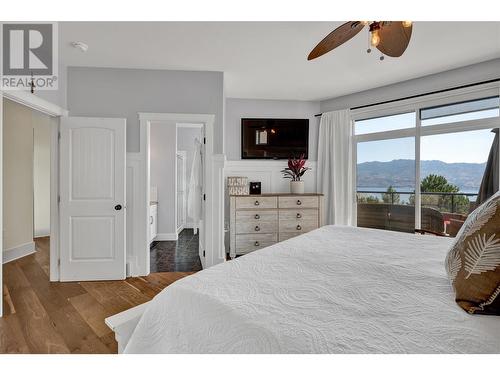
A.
x: 297, y: 187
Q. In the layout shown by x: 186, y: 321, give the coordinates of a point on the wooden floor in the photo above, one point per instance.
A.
x: 45, y: 317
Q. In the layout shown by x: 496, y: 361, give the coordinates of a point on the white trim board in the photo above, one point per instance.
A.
x: 124, y: 323
x: 135, y: 262
x: 18, y: 252
x: 35, y: 102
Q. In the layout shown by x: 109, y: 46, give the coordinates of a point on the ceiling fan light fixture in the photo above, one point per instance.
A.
x: 375, y: 38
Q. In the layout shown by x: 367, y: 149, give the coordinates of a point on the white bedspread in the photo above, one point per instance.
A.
x: 333, y: 290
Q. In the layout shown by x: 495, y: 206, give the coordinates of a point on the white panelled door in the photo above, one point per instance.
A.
x: 92, y: 198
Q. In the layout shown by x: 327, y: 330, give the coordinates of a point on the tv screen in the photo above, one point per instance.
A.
x: 274, y: 138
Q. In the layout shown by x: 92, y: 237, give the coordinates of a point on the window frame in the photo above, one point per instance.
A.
x: 419, y: 131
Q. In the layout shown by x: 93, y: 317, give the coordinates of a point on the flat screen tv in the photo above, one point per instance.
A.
x: 274, y: 138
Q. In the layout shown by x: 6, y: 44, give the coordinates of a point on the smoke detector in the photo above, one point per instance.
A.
x: 81, y: 46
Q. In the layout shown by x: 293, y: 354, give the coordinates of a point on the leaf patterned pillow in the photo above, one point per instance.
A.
x: 473, y: 262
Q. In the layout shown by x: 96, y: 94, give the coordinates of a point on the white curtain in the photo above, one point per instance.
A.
x: 335, y: 167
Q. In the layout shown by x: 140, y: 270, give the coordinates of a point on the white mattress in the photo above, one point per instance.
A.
x: 333, y: 290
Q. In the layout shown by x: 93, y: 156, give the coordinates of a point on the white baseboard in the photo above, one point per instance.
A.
x: 166, y: 237
x: 45, y: 232
x: 190, y: 226
x: 180, y: 229
x: 18, y: 252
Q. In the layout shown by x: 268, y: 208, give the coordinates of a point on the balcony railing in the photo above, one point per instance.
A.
x: 395, y: 210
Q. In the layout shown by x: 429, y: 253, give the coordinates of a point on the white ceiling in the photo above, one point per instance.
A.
x: 268, y: 60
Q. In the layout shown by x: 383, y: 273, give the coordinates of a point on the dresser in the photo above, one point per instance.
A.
x: 258, y: 221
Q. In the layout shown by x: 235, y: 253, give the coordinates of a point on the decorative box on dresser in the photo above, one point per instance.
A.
x: 258, y: 221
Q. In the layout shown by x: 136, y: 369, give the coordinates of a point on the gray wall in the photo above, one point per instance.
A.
x: 58, y: 96
x: 452, y: 78
x: 109, y: 92
x: 240, y: 108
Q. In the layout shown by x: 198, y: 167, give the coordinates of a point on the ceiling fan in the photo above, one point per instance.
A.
x: 389, y: 37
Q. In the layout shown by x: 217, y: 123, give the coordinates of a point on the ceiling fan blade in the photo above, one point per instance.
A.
x: 337, y: 37
x: 394, y: 38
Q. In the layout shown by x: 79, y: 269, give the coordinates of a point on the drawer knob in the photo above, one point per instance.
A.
x: 257, y: 228
x: 257, y: 203
x: 257, y: 216
x: 299, y: 227
x: 299, y: 202
x: 299, y: 216
x: 257, y: 243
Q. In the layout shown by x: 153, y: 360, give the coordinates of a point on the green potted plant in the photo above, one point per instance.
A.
x: 295, y: 170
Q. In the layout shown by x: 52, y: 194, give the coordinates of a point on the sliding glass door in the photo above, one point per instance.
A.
x: 386, y: 184
x: 452, y: 151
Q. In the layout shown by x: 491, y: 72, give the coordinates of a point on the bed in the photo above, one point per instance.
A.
x: 334, y: 290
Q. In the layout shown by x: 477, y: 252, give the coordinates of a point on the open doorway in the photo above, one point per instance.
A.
x: 176, y: 194
x: 27, y: 143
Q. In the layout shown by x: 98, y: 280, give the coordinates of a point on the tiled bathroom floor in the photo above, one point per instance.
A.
x: 176, y: 256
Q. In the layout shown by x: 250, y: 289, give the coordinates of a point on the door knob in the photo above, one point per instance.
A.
x: 118, y: 207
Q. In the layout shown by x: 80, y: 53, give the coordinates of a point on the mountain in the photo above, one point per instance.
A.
x: 401, y: 173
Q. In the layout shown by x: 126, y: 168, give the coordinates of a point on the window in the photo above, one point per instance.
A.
x: 452, y: 167
x: 464, y: 111
x: 450, y: 164
x: 379, y: 124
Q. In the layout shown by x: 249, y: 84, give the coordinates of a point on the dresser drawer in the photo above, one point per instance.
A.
x: 256, y: 202
x: 297, y: 226
x: 287, y: 236
x: 299, y: 201
x: 246, y: 243
x: 256, y: 221
x: 304, y: 215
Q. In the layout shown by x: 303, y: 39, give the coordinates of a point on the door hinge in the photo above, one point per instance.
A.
x: 58, y: 136
x: 203, y: 253
x: 59, y: 262
x: 58, y: 199
x: 204, y: 197
x: 204, y: 140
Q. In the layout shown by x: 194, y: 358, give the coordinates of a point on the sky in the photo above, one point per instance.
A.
x: 463, y: 147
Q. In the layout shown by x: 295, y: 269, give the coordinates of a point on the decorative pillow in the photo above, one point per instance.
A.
x: 473, y: 262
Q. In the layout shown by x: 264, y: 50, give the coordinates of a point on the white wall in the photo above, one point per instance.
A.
x: 162, y: 169
x: 452, y: 78
x: 236, y: 109
x: 110, y: 92
x: 41, y: 173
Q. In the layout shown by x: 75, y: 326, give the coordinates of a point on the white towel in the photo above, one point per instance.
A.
x: 195, y: 189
